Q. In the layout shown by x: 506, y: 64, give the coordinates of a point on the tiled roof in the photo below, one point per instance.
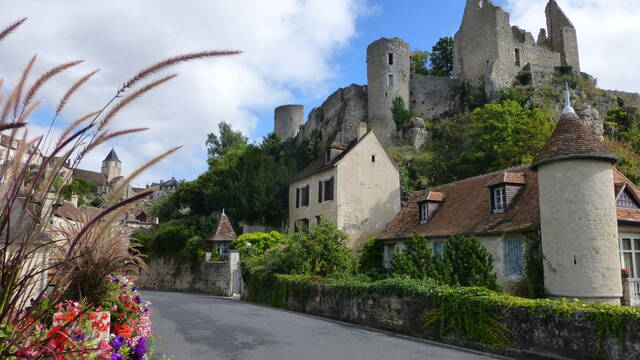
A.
x: 507, y: 177
x: 318, y: 164
x: 467, y: 208
x: 94, y: 177
x: 571, y: 138
x: 224, y: 231
x: 67, y: 210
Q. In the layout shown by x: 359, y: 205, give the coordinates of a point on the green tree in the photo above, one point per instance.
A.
x: 442, y: 57
x: 468, y: 262
x: 402, y: 117
x: 417, y: 261
x: 420, y: 62
x: 227, y: 140
x: 80, y: 187
x: 257, y: 243
x: 371, y: 258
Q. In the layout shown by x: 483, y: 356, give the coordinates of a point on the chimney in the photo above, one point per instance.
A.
x: 362, y: 129
x: 74, y: 199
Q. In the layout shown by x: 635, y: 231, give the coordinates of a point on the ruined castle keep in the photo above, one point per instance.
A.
x: 489, y: 53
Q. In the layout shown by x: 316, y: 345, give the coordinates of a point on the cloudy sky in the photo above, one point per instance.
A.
x: 294, y: 51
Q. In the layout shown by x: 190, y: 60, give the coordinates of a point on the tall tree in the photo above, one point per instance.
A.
x: 420, y: 62
x: 442, y: 57
x: 226, y: 140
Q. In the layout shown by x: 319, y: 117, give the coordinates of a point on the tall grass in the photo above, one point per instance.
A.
x: 80, y: 254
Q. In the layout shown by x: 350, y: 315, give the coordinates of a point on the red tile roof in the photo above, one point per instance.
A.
x: 571, y: 138
x: 507, y: 177
x: 467, y: 208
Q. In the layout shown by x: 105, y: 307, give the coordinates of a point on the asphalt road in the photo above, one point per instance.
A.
x: 192, y: 326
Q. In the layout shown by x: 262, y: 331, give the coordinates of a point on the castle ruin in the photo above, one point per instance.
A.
x: 489, y: 53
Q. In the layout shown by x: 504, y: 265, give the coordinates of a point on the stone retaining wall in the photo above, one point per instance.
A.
x: 536, y: 335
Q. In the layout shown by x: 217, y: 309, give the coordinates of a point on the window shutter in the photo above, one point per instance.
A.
x: 297, y: 198
x: 328, y: 189
x: 319, y: 191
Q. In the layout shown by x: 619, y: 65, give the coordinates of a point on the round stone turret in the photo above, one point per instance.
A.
x: 578, y: 219
x: 388, y: 72
x: 287, y: 120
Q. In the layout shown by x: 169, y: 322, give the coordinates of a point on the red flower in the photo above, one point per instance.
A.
x: 59, y: 336
x: 124, y: 330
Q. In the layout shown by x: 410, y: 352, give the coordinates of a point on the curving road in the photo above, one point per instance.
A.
x: 192, y: 326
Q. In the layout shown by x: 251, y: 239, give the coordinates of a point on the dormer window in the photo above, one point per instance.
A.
x: 626, y: 200
x: 499, y: 199
x: 424, y: 212
x: 327, y: 156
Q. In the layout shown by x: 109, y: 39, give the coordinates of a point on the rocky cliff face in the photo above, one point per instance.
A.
x: 338, y: 118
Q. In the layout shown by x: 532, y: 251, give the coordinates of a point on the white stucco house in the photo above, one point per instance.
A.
x: 355, y: 186
x: 583, y: 211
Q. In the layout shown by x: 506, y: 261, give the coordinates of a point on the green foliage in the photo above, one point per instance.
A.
x: 474, y: 97
x: 165, y: 208
x: 170, y: 239
x: 442, y: 57
x: 501, y: 136
x: 468, y: 262
x: 417, y: 261
x: 419, y: 62
x: 465, y: 262
x: 98, y: 201
x: 227, y: 140
x: 371, y: 259
x: 80, y: 187
x: 629, y: 163
x: 255, y: 244
x: 438, y: 62
x: 402, y: 117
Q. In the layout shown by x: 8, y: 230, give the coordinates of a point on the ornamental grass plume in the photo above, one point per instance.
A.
x: 78, y: 256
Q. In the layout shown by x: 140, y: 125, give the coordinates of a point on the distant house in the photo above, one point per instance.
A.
x: 582, y: 210
x: 355, y: 186
x: 220, y: 239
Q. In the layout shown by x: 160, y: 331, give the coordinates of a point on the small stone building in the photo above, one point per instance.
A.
x: 584, y: 212
x: 355, y: 186
x: 220, y: 239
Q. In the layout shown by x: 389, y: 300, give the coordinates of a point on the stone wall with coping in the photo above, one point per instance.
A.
x: 532, y: 335
x: 190, y: 276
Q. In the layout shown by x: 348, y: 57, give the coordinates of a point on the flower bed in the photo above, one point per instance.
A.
x: 116, y: 330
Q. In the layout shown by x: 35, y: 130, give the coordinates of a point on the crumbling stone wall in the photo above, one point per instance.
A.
x: 193, y: 276
x: 338, y: 118
x: 433, y: 97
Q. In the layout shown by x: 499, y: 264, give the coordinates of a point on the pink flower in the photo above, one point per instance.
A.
x: 104, y: 351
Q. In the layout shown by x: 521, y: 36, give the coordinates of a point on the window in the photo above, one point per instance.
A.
x: 513, y: 257
x: 390, y: 58
x: 328, y: 189
x: 318, y: 218
x: 373, y: 157
x: 301, y: 225
x: 424, y: 212
x: 625, y: 200
x: 438, y: 248
x: 630, y: 255
x: 390, y: 83
x: 297, y: 198
x: 320, y: 191
x: 327, y: 156
x: 517, y: 57
x: 498, y: 200
x: 304, y: 196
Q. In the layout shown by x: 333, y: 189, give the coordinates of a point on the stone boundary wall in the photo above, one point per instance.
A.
x: 536, y: 335
x: 187, y: 275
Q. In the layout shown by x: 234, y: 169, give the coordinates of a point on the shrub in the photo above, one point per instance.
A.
x: 417, y: 261
x: 401, y: 115
x: 254, y: 244
x: 371, y: 259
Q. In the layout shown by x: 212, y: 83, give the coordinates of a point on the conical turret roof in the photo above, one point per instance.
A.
x: 224, y: 231
x: 112, y: 156
x: 571, y: 139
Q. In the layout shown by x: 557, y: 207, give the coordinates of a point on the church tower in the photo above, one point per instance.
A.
x: 111, y: 165
x: 578, y: 214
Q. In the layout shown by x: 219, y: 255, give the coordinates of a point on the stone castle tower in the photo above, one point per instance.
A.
x: 578, y: 214
x: 489, y: 51
x: 287, y: 120
x: 562, y: 35
x: 388, y: 75
x: 111, y: 166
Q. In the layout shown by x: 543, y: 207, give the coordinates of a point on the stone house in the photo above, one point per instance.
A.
x: 355, y: 186
x: 584, y: 212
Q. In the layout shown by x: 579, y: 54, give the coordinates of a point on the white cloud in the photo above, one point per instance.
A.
x: 607, y: 35
x: 287, y: 46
